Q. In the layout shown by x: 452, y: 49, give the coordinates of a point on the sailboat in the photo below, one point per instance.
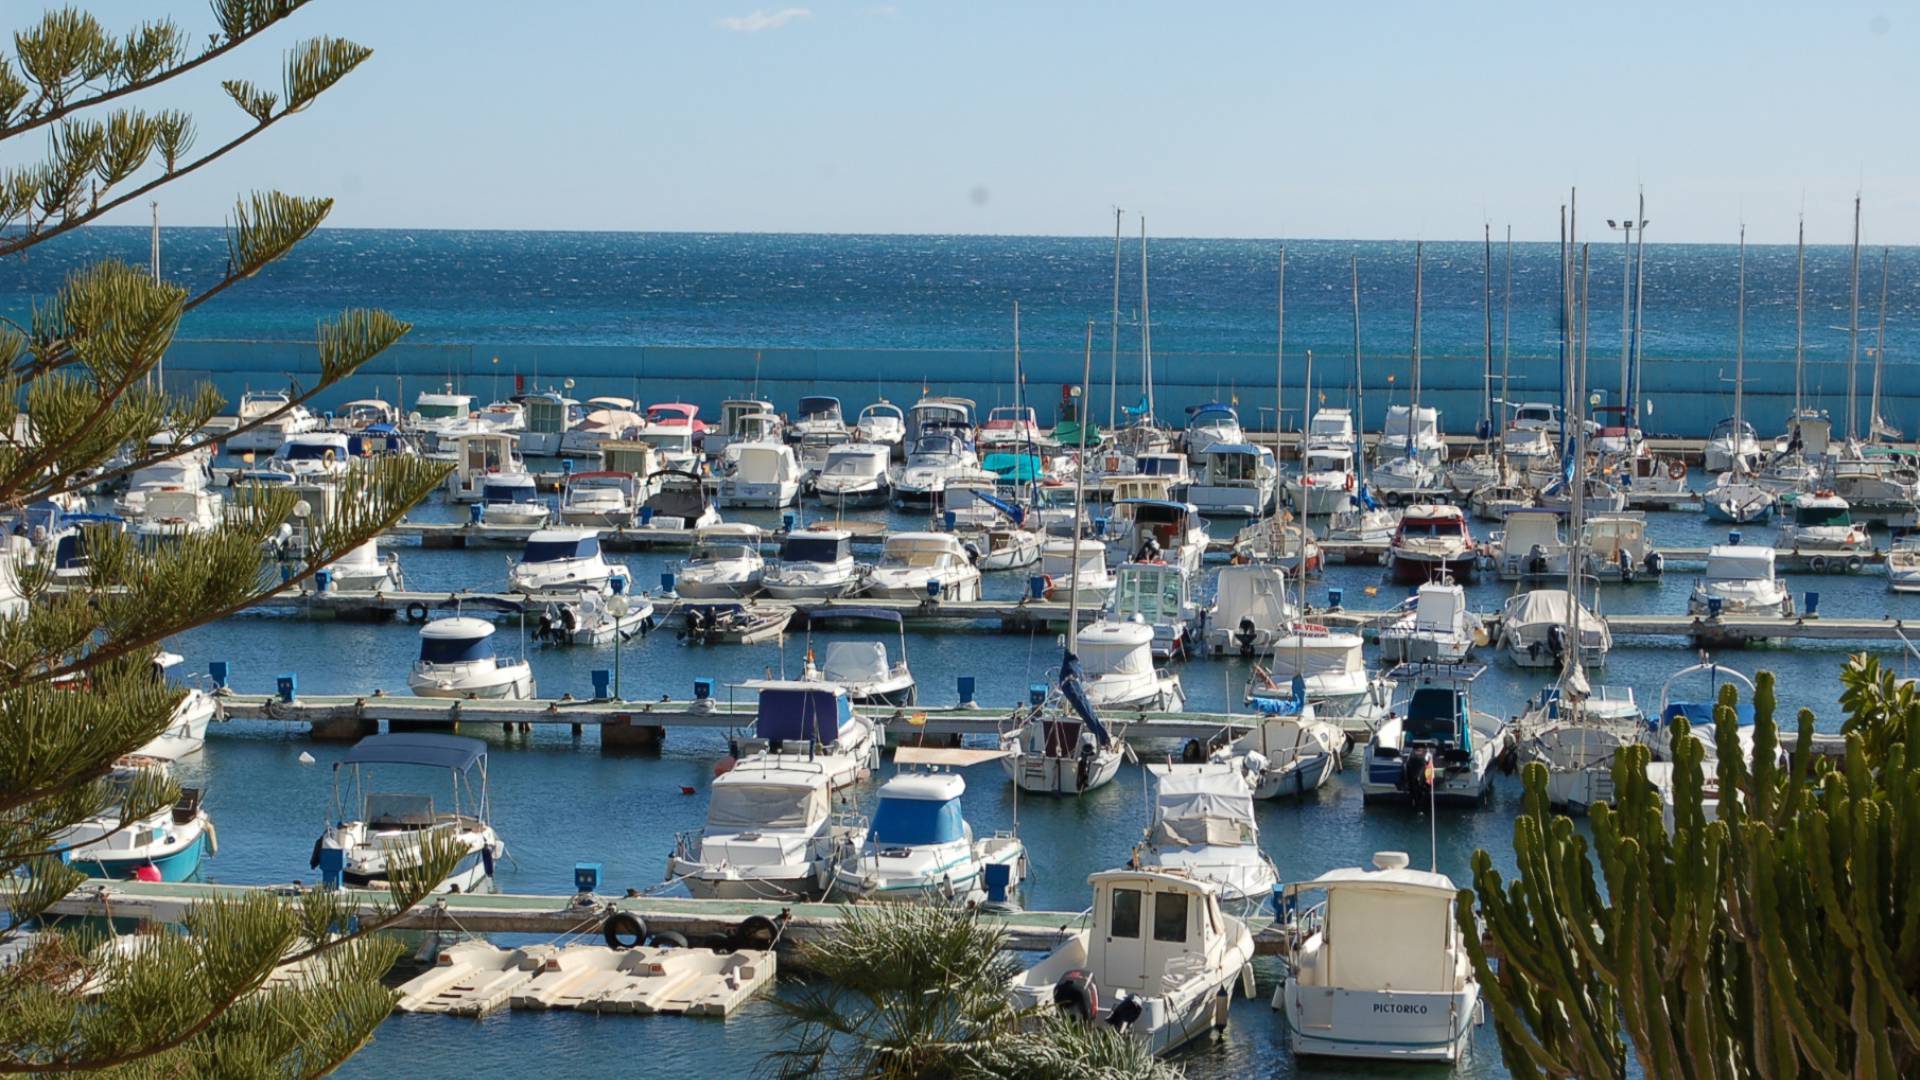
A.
x: 1060, y: 746
x: 1415, y: 429
x: 1364, y: 519
x: 1484, y: 467
x: 1737, y: 497
x: 1141, y: 435
x: 1799, y: 455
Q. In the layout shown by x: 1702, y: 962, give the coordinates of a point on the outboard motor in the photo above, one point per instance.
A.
x: 1076, y: 995
x: 1149, y: 551
x: 1246, y: 635
x: 544, y: 631
x: 973, y: 553
x: 1626, y: 567
x: 1413, y: 777
x: 1656, y: 563
x: 1557, y: 641
x: 1083, y: 768
x: 1126, y: 1010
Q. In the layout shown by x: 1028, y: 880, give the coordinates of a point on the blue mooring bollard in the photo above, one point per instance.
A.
x: 602, y: 683
x: 586, y: 877
x: 646, y: 515
x: 1037, y: 693
x: 666, y: 582
x: 288, y: 687
x: 702, y: 689
x: 966, y: 689
x: 1037, y: 587
x: 933, y: 588
x: 474, y: 510
x: 566, y: 466
x: 786, y: 521
x: 1334, y: 596
x: 1713, y: 607
x: 1813, y: 605
x: 997, y: 877
x: 322, y: 579
x: 1734, y: 538
x: 217, y: 671
x: 950, y: 518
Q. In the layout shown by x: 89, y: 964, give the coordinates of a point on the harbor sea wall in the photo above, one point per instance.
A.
x: 1687, y: 396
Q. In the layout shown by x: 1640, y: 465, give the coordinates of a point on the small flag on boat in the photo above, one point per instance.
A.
x: 918, y: 719
x: 1429, y: 771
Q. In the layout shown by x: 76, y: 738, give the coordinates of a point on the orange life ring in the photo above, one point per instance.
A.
x: 1677, y: 470
x: 1349, y: 481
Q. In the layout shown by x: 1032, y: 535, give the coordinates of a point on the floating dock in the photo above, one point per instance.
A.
x: 475, y: 978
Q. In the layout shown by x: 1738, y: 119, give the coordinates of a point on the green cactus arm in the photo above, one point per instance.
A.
x: 1519, y: 1048
x: 1868, y: 908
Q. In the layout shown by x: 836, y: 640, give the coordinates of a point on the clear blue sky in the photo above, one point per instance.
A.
x: 1379, y: 120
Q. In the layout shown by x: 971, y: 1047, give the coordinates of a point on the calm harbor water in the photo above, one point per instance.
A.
x: 559, y: 800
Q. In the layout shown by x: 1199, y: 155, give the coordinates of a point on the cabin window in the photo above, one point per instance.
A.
x: 1170, y: 917
x: 1125, y: 922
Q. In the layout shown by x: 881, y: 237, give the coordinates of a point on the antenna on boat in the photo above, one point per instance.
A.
x: 1300, y: 608
x: 160, y: 364
x: 1279, y: 382
x: 1113, y: 339
x: 1853, y: 324
x: 1506, y: 348
x: 1639, y: 304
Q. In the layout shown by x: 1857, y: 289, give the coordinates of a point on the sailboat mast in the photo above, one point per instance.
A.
x: 1359, y: 382
x: 1800, y: 323
x: 1113, y: 337
x: 1577, y: 494
x: 1879, y: 352
x: 1146, y: 328
x: 159, y: 365
x: 1079, y: 500
x: 1279, y: 369
x: 1486, y: 325
x: 1506, y: 341
x: 1740, y: 353
x: 1639, y: 305
x: 1853, y: 326
x: 1300, y: 601
x: 1419, y: 259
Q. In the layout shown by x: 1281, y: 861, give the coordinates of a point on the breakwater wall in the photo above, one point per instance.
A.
x: 1687, y: 396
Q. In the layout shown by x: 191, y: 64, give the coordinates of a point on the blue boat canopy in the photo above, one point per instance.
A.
x: 917, y: 821
x: 802, y: 712
x: 552, y: 546
x: 455, y: 650
x: 1195, y: 413
x: 1699, y: 714
x: 1020, y: 468
x: 457, y: 752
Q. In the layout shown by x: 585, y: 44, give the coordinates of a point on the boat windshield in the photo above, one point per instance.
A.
x: 307, y: 451
x: 1167, y: 465
x: 716, y: 551
x: 556, y: 550
x: 1417, y: 528
x: 393, y: 810
x: 917, y: 821
x: 437, y: 412
x: 743, y: 807
x: 857, y: 463
x: 813, y: 549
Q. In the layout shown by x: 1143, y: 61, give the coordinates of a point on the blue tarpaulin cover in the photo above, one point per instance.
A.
x: 917, y: 821
x: 801, y: 714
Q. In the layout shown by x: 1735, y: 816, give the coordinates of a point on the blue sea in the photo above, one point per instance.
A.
x: 558, y: 800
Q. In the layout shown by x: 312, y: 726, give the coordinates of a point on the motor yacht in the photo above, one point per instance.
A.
x: 1203, y: 826
x: 767, y: 474
x: 1416, y: 433
x: 924, y: 565
x: 1617, y: 549
x: 607, y: 500
x: 1824, y: 534
x: 1158, y: 530
x: 1117, y: 655
x: 725, y: 564
x: 171, y: 514
x: 1235, y: 478
x: 1163, y: 949
x: 1210, y: 424
x: 770, y: 834
x: 566, y: 562
x: 919, y: 846
x: 1739, y: 580
x: 478, y: 457
x: 1434, y: 625
x: 457, y: 661
x: 1290, y: 751
x: 1903, y: 565
x: 1251, y: 609
x: 1092, y: 577
x: 513, y: 499
x: 814, y: 564
x: 440, y: 412
x: 314, y: 455
x: 811, y: 721
x: 1534, y: 630
x: 371, y: 833
x: 1010, y: 426
x: 1159, y: 596
x: 275, y: 418
x: 1333, y: 668
x: 1432, y: 541
x: 1326, y: 481
x: 953, y: 415
x: 742, y: 420
x: 883, y: 424
x: 1377, y: 968
x: 679, y: 501
x: 936, y: 460
x: 863, y: 670
x: 1531, y: 547
x: 855, y: 476
x: 816, y: 414
x: 1434, y: 748
x: 366, y: 569
x: 590, y: 618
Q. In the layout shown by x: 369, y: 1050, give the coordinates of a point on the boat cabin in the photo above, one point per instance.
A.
x: 1147, y: 923
x: 1433, y: 521
x: 824, y: 547
x: 459, y: 640
x: 630, y: 456
x: 560, y: 545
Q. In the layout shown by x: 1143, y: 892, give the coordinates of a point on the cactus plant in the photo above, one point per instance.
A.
x: 1767, y: 924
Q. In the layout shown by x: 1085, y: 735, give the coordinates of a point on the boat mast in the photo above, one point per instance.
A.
x: 1576, y: 496
x: 1879, y: 353
x: 1413, y: 412
x: 1800, y: 323
x: 1853, y: 326
x: 1279, y: 368
x: 1113, y: 337
x: 1359, y: 382
x: 1506, y: 347
x: 159, y: 379
x: 1079, y: 495
x: 1639, y: 304
x: 1301, y: 604
x: 1486, y: 312
x: 1740, y: 358
x: 1146, y: 329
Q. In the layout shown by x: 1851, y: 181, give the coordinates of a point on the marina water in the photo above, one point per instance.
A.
x: 559, y: 800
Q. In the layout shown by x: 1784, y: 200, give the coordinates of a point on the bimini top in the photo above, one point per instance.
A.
x: 456, y: 752
x: 460, y: 627
x: 801, y: 711
x: 552, y: 545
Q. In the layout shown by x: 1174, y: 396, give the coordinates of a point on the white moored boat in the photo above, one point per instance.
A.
x: 1534, y: 629
x: 276, y: 419
x: 855, y: 475
x: 1291, y: 751
x: 513, y: 499
x: 1160, y: 961
x: 1118, y: 658
x: 607, y: 500
x: 566, y: 562
x: 725, y: 564
x: 919, y: 846
x: 1203, y: 825
x: 814, y: 564
x: 1739, y: 581
x: 1377, y: 968
x: 1435, y: 626
x: 767, y: 474
x: 1434, y: 748
x: 923, y: 565
x: 1251, y: 609
x: 1093, y: 579
x: 770, y: 834
x: 457, y: 661
x: 365, y: 569
x: 882, y: 423
x: 371, y: 834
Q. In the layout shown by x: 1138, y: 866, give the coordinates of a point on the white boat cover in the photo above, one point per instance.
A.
x: 855, y: 662
x: 743, y: 803
x: 1731, y: 563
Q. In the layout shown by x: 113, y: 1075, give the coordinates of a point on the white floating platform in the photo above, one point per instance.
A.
x: 474, y: 978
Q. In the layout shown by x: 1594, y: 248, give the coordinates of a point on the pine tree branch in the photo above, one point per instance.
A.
x: 68, y: 108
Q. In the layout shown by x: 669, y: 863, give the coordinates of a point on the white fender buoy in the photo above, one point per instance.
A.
x: 306, y: 758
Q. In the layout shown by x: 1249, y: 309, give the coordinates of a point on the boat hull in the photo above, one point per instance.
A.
x: 1381, y: 1025
x: 177, y: 865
